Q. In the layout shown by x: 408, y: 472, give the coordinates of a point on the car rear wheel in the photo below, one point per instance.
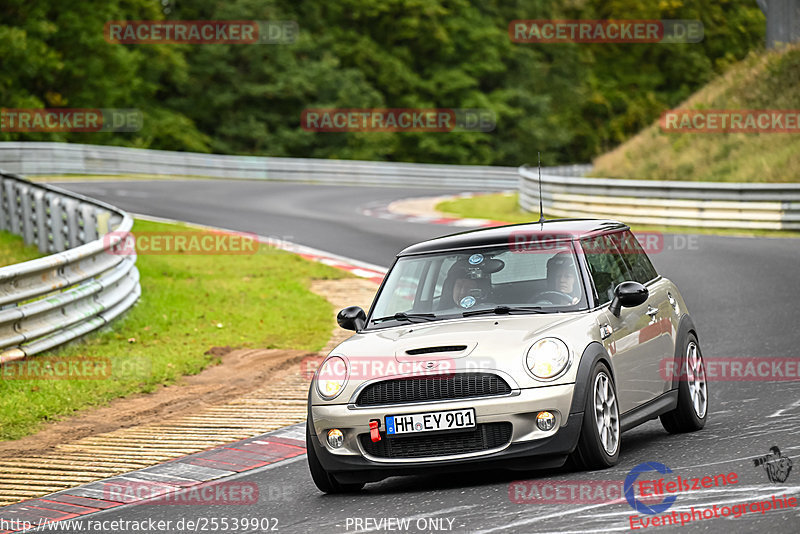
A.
x: 599, y: 442
x: 325, y: 481
x: 692, y: 409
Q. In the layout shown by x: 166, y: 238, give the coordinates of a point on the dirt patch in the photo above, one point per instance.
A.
x: 241, y: 371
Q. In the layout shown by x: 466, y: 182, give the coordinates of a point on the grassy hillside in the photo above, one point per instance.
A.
x: 769, y: 80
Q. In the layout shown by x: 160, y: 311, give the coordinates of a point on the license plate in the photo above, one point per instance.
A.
x: 430, y: 421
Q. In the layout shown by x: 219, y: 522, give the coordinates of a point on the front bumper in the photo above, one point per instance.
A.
x: 528, y: 448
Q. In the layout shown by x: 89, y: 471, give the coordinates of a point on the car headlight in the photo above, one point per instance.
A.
x: 547, y: 358
x: 331, y: 377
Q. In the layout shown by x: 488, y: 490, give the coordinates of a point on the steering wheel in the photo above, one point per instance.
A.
x: 555, y: 297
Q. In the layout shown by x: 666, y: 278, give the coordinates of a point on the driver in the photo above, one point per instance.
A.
x: 563, y: 277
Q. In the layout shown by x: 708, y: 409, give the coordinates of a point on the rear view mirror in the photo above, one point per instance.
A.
x: 628, y: 295
x: 352, y: 318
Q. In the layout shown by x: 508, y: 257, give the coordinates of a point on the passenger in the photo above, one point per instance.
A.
x: 562, y: 276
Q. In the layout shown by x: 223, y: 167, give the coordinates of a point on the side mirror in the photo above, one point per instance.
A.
x: 353, y: 318
x: 628, y: 294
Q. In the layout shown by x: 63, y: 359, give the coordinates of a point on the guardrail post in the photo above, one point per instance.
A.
x: 56, y: 219
x: 28, y: 218
x: 42, y: 239
x: 71, y: 228
x: 11, y: 205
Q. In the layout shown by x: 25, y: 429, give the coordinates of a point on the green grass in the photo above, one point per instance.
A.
x: 763, y: 81
x: 505, y: 207
x: 189, y: 304
x: 498, y: 207
x: 14, y: 250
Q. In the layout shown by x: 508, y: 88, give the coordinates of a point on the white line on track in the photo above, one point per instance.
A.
x: 779, y: 413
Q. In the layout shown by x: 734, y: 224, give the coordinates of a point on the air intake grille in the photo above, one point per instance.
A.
x: 484, y: 437
x: 431, y: 350
x: 433, y: 388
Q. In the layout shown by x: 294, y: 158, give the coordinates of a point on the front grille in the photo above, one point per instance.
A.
x: 484, y: 437
x: 432, y: 388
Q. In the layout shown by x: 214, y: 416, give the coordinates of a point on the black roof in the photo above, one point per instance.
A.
x: 557, y: 229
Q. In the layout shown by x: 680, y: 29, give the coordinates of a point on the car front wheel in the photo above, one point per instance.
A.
x: 598, y: 445
x: 692, y: 409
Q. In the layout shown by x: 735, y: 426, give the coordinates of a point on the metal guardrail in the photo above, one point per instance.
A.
x: 81, y: 286
x: 664, y: 203
x: 31, y: 158
x: 566, y: 193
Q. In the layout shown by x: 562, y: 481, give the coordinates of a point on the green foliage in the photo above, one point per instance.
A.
x: 571, y: 101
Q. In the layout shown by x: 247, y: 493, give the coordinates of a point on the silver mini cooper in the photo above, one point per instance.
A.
x: 514, y: 347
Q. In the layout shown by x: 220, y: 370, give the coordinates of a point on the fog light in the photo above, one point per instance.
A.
x: 335, y: 438
x: 544, y: 420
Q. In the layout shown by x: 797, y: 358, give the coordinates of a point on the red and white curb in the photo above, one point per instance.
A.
x: 374, y: 273
x: 358, y: 268
x: 180, y: 480
x: 397, y: 212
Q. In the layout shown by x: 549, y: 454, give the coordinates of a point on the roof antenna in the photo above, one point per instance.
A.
x: 541, y: 211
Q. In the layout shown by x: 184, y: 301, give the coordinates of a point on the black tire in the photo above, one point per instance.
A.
x: 685, y: 418
x: 326, y: 482
x: 590, y: 453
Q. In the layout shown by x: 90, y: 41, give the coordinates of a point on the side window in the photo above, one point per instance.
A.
x: 606, y: 265
x: 638, y: 263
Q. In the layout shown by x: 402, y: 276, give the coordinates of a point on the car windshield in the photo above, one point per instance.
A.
x: 492, y: 280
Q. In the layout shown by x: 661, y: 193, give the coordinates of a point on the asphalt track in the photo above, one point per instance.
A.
x: 743, y: 294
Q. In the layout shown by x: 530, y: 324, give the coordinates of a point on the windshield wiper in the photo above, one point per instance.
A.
x: 504, y: 310
x: 400, y: 316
